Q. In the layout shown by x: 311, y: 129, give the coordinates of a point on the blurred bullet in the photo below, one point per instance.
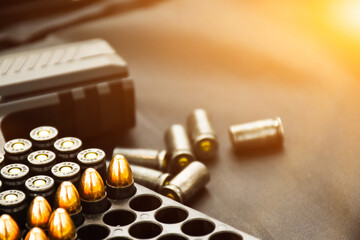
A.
x: 92, y: 192
x: 67, y: 197
x: 36, y: 234
x: 120, y: 182
x: 149, y: 158
x: 61, y: 227
x: 150, y: 178
x: 39, y: 213
x: 9, y: 229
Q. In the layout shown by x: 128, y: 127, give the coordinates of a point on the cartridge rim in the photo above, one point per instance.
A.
x: 173, y: 192
x: 84, y: 159
x: 74, y: 144
x: 36, y: 135
x: 17, y: 146
x: 11, y: 197
x: 19, y: 171
x: 58, y: 172
x: 34, y: 160
x: 48, y: 184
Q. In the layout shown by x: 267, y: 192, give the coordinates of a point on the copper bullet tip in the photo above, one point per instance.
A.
x: 119, y: 172
x: 91, y: 185
x: 61, y: 227
x: 67, y: 197
x: 36, y: 234
x: 39, y: 213
x: 9, y: 229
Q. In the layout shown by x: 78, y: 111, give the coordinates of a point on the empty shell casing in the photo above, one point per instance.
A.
x: 94, y: 158
x: 150, y: 178
x: 179, y: 148
x: 14, y: 176
x: 202, y: 134
x: 67, y: 148
x: 40, y: 185
x: 267, y: 132
x: 13, y: 202
x: 43, y: 137
x: 41, y: 162
x: 17, y: 150
x: 149, y: 158
x: 187, y: 182
x: 66, y: 171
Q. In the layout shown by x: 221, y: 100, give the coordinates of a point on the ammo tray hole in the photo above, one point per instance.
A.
x: 145, y: 203
x: 119, y: 218
x: 93, y: 232
x: 198, y: 227
x: 171, y: 215
x: 145, y: 230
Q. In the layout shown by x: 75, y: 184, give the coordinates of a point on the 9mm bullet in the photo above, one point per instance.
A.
x: 187, y: 182
x: 66, y: 171
x: 44, y: 137
x: 40, y: 185
x: 67, y: 197
x: 179, y: 148
x: 92, y: 192
x: 17, y: 150
x: 9, y: 230
x: 119, y: 181
x: 13, y: 202
x: 67, y: 148
x: 39, y: 214
x: 14, y: 176
x: 202, y: 134
x: 36, y: 234
x: 94, y: 158
x: 150, y: 178
x: 61, y: 227
x: 41, y: 162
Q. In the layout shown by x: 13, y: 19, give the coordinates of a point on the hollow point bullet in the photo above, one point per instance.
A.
x: 179, y: 148
x: 92, y: 192
x: 120, y: 181
x: 202, y: 134
x: 94, y: 158
x: 61, y: 227
x: 187, y: 182
x: 67, y: 197
x: 13, y: 202
x: 16, y: 150
x: 39, y: 213
x: 36, y: 234
x: 149, y: 158
x: 267, y: 132
x: 44, y: 137
x: 9, y: 230
x: 150, y: 178
x: 40, y: 185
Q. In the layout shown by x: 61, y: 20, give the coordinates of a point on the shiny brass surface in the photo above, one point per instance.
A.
x: 61, y: 227
x: 9, y: 229
x: 91, y: 185
x: 119, y: 172
x: 39, y: 213
x: 36, y: 234
x: 67, y: 197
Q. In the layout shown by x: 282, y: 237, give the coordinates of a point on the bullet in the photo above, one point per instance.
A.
x: 67, y: 148
x: 61, y: 227
x: 41, y: 162
x: 268, y: 132
x: 16, y: 150
x: 39, y: 214
x: 179, y: 148
x: 187, y: 182
x: 67, y: 197
x: 92, y: 192
x: 148, y: 158
x: 202, y: 134
x: 40, y: 185
x: 36, y: 234
x: 66, y: 171
x: 44, y: 137
x: 14, y: 176
x: 94, y: 158
x: 119, y: 181
x: 13, y: 202
x: 9, y: 230
x: 150, y: 178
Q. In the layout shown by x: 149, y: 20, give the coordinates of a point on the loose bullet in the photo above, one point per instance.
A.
x: 149, y: 158
x: 61, y: 227
x: 39, y: 213
x: 43, y: 137
x: 92, y: 192
x: 9, y: 230
x: 67, y: 197
x: 150, y: 178
x: 36, y: 234
x: 119, y: 181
